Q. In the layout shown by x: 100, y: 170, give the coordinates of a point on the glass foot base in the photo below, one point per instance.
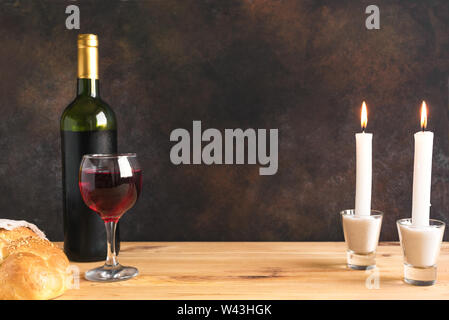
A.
x: 110, y: 274
x: 419, y: 276
x: 358, y: 261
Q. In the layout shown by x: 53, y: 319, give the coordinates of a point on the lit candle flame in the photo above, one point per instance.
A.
x: 364, y: 117
x: 423, y: 116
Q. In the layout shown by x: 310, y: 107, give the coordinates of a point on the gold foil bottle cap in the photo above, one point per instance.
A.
x: 87, y: 56
x: 87, y: 40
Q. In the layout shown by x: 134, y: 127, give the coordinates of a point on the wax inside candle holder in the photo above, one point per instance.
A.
x: 362, y: 232
x: 361, y: 237
x: 420, y: 244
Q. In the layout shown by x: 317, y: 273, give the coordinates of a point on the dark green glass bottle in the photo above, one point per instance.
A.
x: 88, y: 125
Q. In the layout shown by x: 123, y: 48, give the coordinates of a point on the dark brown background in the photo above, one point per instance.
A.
x: 301, y: 66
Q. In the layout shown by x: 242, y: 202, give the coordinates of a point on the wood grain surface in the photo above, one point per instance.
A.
x: 258, y: 270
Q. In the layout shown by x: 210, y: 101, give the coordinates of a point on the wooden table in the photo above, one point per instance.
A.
x: 258, y: 270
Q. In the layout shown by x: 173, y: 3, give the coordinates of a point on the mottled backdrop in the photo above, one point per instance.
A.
x: 301, y: 66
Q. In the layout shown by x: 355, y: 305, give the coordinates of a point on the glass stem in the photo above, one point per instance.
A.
x: 111, y: 260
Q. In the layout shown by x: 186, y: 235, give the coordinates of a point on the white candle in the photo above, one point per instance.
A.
x: 363, y: 168
x: 422, y: 173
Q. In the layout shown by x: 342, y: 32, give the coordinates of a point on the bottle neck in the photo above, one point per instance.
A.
x: 88, y: 65
x: 88, y: 87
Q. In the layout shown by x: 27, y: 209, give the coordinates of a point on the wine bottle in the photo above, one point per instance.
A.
x: 88, y: 125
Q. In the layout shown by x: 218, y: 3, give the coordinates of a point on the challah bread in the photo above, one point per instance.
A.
x: 31, y: 267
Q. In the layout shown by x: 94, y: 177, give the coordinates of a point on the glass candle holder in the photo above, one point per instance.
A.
x: 420, y: 247
x: 361, y: 237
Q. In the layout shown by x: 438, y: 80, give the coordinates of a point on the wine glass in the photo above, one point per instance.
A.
x: 110, y: 185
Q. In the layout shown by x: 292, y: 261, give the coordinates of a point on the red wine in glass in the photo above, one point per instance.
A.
x: 108, y: 193
x: 110, y: 185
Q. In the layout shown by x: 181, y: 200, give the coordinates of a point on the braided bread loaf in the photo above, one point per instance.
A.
x: 31, y: 267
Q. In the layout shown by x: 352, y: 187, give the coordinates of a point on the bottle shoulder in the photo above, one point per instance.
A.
x: 87, y: 114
